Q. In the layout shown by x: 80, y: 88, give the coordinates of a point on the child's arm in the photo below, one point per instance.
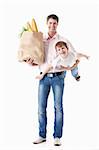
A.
x: 47, y: 69
x: 79, y: 55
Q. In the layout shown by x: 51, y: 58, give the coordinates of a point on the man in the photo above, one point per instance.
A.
x: 51, y: 79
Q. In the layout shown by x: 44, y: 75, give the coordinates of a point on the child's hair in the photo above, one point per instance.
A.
x: 60, y: 44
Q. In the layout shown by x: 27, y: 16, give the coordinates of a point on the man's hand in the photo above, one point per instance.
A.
x: 76, y: 63
x: 72, y: 67
x: 30, y: 62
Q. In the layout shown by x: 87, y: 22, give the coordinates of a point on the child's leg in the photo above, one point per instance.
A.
x: 75, y: 74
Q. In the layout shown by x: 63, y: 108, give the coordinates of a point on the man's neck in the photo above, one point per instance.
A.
x: 51, y: 34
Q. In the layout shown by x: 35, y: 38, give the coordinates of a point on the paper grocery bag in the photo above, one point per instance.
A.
x: 31, y: 46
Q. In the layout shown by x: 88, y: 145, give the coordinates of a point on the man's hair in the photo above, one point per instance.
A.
x: 53, y: 16
x: 60, y: 44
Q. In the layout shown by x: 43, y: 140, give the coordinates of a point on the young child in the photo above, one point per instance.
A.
x: 66, y: 59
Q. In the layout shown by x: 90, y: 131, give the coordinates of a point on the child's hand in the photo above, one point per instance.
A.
x: 87, y: 57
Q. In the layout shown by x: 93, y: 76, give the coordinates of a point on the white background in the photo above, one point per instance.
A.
x: 18, y: 86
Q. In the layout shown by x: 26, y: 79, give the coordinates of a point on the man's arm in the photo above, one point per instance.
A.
x: 47, y: 69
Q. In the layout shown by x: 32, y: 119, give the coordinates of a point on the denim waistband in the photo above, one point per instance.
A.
x: 54, y: 74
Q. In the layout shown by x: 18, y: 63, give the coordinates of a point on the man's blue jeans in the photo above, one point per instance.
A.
x: 57, y: 84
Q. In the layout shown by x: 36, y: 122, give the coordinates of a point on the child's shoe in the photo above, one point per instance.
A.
x: 77, y: 78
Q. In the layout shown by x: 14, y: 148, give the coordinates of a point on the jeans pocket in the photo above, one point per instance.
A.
x: 62, y: 76
x: 61, y: 79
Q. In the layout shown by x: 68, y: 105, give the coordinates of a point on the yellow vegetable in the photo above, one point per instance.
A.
x: 34, y: 26
x: 29, y: 28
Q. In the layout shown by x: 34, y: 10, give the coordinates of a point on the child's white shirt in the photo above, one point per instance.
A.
x: 50, y: 51
x: 68, y: 61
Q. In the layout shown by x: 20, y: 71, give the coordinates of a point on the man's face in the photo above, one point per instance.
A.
x: 52, y: 25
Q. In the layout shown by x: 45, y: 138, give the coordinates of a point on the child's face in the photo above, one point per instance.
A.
x: 63, y: 51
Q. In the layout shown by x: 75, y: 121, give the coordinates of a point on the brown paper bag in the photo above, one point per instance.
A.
x: 31, y: 46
